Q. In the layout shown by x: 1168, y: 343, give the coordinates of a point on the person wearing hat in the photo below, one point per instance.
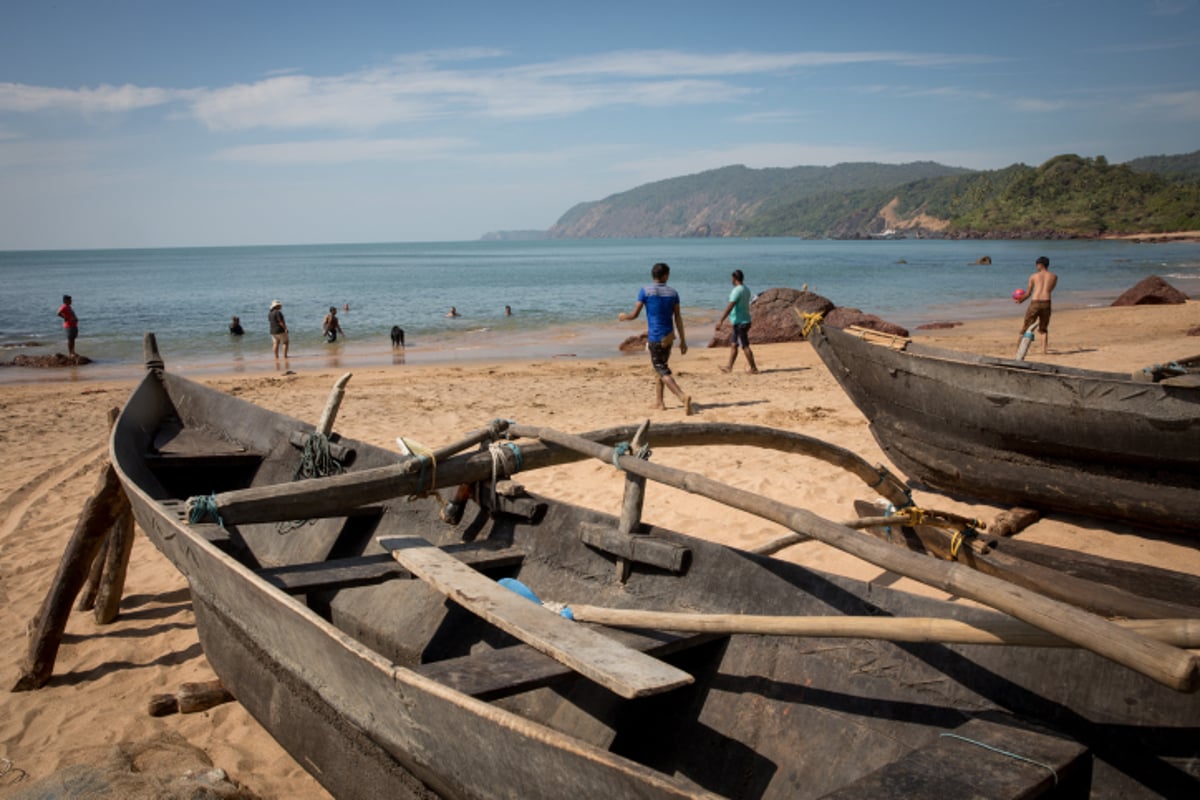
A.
x: 279, y: 329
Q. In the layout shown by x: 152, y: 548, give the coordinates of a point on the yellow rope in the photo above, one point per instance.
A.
x: 422, y: 452
x: 811, y: 321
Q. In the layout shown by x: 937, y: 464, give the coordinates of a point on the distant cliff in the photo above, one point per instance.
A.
x: 719, y: 202
x: 512, y: 236
x: 1068, y: 196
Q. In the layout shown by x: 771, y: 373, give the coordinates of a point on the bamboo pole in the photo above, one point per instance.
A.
x: 1000, y: 630
x: 337, y: 494
x: 1166, y: 664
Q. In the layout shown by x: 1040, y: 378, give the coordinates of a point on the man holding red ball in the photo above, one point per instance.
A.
x: 1041, y: 284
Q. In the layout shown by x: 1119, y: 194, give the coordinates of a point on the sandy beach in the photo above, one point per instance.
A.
x: 55, y: 433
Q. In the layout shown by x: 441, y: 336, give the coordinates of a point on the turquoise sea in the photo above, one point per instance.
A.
x: 565, y: 295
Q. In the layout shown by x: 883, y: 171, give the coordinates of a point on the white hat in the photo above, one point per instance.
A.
x: 275, y: 304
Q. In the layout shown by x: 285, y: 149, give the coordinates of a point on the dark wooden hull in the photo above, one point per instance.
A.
x: 384, y: 688
x: 1020, y: 433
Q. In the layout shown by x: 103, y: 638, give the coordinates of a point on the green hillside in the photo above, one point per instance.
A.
x: 1068, y: 196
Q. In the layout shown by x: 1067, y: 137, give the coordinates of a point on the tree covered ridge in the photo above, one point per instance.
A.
x: 1068, y: 196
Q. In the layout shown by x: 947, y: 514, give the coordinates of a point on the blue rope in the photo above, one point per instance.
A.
x: 204, y: 508
x: 619, y: 449
x: 1003, y: 753
x: 516, y: 451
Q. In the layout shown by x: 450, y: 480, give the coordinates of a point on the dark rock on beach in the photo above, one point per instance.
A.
x: 776, y: 320
x: 937, y: 326
x: 1195, y: 331
x: 1151, y: 291
x: 774, y: 317
x: 47, y: 361
x: 634, y: 343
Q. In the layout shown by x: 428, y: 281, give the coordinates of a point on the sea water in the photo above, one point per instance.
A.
x: 564, y: 294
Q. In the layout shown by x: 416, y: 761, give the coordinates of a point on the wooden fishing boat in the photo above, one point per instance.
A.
x: 376, y: 641
x: 1110, y: 445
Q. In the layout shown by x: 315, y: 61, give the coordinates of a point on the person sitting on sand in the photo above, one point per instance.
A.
x: 330, y: 327
x: 662, y: 319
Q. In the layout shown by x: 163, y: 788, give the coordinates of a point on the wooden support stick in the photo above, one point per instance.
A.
x: 87, y: 595
x: 325, y: 426
x: 1000, y: 630
x: 99, y: 515
x: 190, y: 698
x: 119, y: 545
x: 635, y: 488
x: 632, y: 502
x: 1166, y: 664
x: 1013, y: 521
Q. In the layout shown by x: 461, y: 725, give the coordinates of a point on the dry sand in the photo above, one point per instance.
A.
x: 54, y: 434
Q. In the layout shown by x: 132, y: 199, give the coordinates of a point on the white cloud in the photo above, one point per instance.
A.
x: 1179, y: 104
x: 344, y: 151
x: 100, y: 99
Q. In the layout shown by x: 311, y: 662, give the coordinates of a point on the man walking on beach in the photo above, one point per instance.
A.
x: 738, y: 311
x: 1041, y: 284
x: 279, y: 329
x: 70, y: 323
x: 662, y: 318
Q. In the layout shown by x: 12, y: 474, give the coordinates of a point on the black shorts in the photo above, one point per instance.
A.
x: 660, y: 354
x: 741, y: 335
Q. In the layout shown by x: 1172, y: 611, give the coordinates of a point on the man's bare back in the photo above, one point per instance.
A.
x: 1041, y: 284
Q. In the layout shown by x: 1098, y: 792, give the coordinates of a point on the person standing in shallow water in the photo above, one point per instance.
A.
x: 330, y: 327
x: 738, y: 311
x: 70, y: 323
x: 279, y: 329
x: 663, y: 318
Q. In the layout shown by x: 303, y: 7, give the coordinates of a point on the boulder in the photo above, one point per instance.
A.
x: 773, y: 317
x: 634, y: 344
x: 846, y: 317
x: 1151, y: 291
x: 1194, y: 331
x: 56, y: 360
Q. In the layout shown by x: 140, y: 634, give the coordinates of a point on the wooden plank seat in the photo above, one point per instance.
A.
x: 493, y: 674
x: 981, y: 758
x: 364, y: 570
x: 623, y: 670
x: 188, y: 447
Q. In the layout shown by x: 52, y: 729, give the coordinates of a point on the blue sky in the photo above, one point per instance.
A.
x: 168, y: 123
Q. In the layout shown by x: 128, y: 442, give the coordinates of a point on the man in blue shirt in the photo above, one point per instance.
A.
x: 662, y: 319
x: 738, y: 312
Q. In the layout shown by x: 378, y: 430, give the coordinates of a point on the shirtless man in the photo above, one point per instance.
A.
x: 1041, y: 284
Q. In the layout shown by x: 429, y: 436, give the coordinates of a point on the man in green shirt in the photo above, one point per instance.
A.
x: 738, y: 311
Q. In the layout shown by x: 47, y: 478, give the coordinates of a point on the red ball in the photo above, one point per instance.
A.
x: 1018, y: 294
